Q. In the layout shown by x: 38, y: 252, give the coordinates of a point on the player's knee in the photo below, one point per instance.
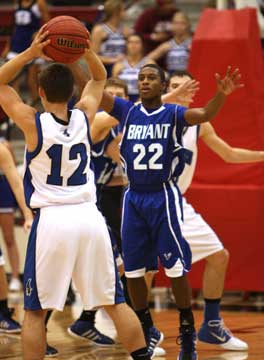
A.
x: 219, y: 259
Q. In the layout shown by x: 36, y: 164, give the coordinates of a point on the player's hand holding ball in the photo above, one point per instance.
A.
x: 40, y: 41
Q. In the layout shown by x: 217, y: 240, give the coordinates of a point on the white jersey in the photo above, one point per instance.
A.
x: 189, y: 142
x: 58, y: 171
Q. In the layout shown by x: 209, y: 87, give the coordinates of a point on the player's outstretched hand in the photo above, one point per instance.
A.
x: 187, y: 91
x: 184, y: 93
x: 230, y: 83
x: 39, y: 42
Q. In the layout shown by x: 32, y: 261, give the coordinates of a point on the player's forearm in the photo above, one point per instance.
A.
x: 197, y: 116
x: 95, y: 65
x: 213, y: 106
x: 237, y: 155
x: 9, y: 70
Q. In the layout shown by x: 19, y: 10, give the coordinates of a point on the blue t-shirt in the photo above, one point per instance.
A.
x: 151, y: 148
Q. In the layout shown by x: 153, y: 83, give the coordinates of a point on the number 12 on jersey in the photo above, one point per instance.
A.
x: 55, y: 154
x: 153, y: 163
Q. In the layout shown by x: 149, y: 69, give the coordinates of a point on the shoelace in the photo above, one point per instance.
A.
x: 221, y: 327
x: 186, y: 339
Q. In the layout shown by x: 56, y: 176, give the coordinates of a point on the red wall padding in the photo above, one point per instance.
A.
x: 231, y: 197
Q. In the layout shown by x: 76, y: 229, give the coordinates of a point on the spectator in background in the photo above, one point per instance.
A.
x: 128, y: 68
x: 154, y: 24
x: 134, y: 9
x: 108, y: 37
x: 176, y: 50
x: 27, y: 21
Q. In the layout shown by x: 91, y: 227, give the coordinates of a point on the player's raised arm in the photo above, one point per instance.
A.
x: 226, y: 152
x: 225, y: 87
x: 14, y: 107
x: 93, y: 91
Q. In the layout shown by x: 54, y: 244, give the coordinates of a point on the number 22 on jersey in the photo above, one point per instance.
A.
x: 153, y: 163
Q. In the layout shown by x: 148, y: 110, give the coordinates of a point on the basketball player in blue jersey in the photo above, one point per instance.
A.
x: 27, y: 21
x: 57, y: 188
x: 153, y: 156
x: 7, y: 323
x: 203, y: 241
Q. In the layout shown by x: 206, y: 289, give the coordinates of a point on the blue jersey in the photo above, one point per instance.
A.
x: 104, y: 166
x: 151, y: 148
x: 27, y: 22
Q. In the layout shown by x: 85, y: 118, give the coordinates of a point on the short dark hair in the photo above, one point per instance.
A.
x: 117, y: 83
x: 181, y: 73
x: 57, y: 81
x: 157, y: 67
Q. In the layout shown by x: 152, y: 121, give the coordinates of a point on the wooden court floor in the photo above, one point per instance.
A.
x: 249, y: 326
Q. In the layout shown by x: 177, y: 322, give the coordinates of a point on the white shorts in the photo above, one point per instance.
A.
x: 70, y: 242
x: 201, y: 238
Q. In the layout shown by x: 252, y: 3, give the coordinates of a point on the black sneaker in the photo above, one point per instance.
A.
x: 187, y: 341
x: 51, y: 351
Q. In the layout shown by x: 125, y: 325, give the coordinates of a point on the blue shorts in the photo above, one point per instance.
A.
x: 7, y: 198
x: 151, y: 230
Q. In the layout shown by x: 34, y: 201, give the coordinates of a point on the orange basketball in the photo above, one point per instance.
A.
x: 68, y: 39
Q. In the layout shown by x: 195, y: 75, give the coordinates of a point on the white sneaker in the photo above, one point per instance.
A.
x: 15, y: 285
x: 235, y: 344
x: 158, y: 351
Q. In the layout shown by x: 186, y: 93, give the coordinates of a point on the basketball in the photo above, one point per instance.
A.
x: 68, y: 39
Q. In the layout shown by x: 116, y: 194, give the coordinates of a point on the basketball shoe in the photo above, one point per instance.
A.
x: 214, y: 332
x: 87, y: 330
x: 153, y: 338
x: 51, y: 351
x: 187, y: 341
x: 7, y: 324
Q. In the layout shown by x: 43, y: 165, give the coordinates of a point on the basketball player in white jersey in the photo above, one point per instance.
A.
x: 7, y: 323
x: 202, y: 239
x: 69, y: 234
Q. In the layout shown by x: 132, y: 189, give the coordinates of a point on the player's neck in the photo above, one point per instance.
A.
x: 151, y: 103
x: 59, y: 110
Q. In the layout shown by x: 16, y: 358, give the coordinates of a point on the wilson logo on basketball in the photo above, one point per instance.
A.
x: 69, y: 43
